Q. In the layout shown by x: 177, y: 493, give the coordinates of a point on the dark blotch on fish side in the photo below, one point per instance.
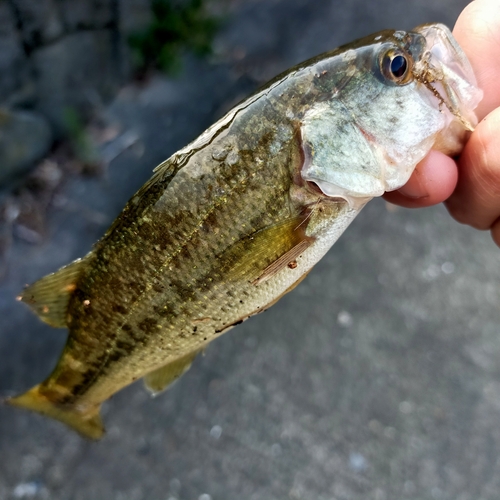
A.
x: 148, y: 325
x: 117, y: 308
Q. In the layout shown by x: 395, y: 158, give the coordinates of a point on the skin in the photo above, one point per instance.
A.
x: 470, y: 184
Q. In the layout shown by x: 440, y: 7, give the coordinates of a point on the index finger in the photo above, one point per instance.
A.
x: 475, y: 200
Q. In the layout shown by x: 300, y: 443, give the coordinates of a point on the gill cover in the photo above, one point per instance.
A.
x: 369, y: 136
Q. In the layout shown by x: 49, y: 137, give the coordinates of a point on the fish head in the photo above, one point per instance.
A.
x: 392, y: 97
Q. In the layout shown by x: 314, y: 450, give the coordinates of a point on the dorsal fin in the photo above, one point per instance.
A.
x: 158, y: 380
x: 49, y: 296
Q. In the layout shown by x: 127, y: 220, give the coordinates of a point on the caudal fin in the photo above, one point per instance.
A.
x: 87, y: 423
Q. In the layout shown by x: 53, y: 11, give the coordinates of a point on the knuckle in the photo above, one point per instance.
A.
x: 464, y: 214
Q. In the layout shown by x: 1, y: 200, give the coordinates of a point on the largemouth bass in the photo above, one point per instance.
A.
x: 232, y: 222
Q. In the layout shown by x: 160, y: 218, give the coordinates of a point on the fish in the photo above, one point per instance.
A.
x: 235, y: 220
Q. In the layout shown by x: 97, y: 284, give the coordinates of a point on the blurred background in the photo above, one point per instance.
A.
x: 377, y: 378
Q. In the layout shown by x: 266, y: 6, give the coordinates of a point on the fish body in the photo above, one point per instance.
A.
x: 235, y: 220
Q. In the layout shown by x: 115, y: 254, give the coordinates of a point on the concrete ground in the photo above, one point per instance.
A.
x: 378, y: 378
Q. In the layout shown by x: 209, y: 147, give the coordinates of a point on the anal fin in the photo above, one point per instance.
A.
x: 160, y: 379
x: 49, y: 296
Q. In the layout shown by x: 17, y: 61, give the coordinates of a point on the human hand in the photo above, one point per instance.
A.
x: 471, y: 184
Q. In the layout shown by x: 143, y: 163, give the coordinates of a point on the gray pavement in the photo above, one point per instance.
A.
x: 377, y: 378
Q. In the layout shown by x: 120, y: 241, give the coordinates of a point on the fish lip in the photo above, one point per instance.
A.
x: 445, y: 70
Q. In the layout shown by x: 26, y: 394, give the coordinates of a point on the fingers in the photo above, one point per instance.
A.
x: 478, y: 33
x: 476, y: 200
x: 432, y: 182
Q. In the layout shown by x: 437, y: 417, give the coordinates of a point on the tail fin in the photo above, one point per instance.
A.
x: 87, y: 423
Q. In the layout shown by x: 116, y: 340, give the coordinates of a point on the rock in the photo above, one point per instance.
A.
x: 25, y: 137
x: 88, y: 14
x: 135, y: 16
x: 77, y: 73
x: 38, y: 20
x: 14, y: 68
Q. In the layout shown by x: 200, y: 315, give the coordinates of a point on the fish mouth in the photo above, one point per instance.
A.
x: 445, y: 70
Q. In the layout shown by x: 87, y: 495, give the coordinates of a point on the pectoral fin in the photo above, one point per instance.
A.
x: 49, y: 296
x: 287, y: 259
x: 158, y: 380
x: 266, y: 252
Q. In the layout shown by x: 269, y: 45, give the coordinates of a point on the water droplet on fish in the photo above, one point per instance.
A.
x: 232, y: 158
x: 219, y: 154
x: 349, y: 56
x: 205, y: 496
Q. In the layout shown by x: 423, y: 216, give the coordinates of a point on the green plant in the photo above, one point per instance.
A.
x: 80, y: 141
x: 176, y: 26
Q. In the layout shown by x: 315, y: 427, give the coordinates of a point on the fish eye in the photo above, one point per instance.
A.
x: 396, y: 66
